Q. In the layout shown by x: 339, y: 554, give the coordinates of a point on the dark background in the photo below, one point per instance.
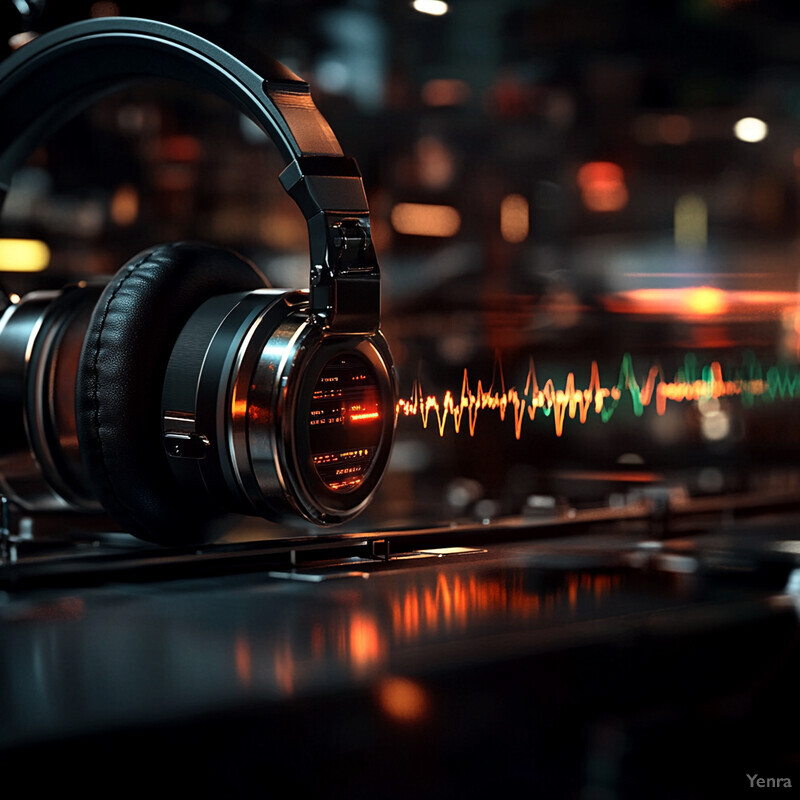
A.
x: 488, y: 101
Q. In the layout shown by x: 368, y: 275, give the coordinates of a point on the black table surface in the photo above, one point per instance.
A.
x: 602, y: 662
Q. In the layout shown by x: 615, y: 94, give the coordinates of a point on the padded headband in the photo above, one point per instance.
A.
x: 56, y: 75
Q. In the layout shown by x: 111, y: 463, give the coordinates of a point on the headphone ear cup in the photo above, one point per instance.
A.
x: 120, y: 380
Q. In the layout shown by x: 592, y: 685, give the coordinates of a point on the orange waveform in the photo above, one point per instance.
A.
x: 690, y: 384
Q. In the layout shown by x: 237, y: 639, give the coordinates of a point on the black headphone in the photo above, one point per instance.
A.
x: 187, y: 391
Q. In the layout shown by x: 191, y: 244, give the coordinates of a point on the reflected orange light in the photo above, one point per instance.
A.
x: 603, y: 187
x: 422, y: 219
x: 317, y: 640
x: 285, y: 668
x: 243, y: 660
x: 572, y: 589
x: 239, y: 407
x: 514, y: 218
x: 403, y: 700
x: 364, y: 640
x: 459, y: 601
x: 416, y: 612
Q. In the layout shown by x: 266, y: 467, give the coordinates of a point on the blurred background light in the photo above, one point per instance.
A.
x: 514, y: 218
x: 23, y: 255
x: 424, y: 219
x: 603, y: 187
x: 751, y: 129
x: 125, y: 205
x: 20, y: 39
x: 445, y: 92
x: 674, y: 129
x: 434, y: 7
x: 706, y: 300
x: 691, y: 221
x: 435, y: 163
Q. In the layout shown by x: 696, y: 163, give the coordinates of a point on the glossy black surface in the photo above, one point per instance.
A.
x: 442, y: 670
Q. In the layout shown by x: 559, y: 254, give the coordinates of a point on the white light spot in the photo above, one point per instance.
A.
x: 434, y: 7
x: 750, y: 129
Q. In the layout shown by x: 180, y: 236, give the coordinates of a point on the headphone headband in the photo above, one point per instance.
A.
x: 95, y: 57
x: 58, y: 74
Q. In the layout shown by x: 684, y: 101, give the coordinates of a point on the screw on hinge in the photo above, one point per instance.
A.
x: 351, y: 241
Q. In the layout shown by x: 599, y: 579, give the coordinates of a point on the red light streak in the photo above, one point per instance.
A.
x: 690, y: 385
x: 364, y: 416
x: 700, y: 301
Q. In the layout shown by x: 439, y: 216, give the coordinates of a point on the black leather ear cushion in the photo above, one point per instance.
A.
x: 120, y: 379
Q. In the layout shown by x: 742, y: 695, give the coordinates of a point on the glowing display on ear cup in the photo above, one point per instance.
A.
x: 345, y: 422
x: 274, y: 415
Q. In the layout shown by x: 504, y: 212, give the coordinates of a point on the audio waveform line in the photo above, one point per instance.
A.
x: 692, y: 383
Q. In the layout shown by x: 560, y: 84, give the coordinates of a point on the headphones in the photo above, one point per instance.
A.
x: 186, y: 391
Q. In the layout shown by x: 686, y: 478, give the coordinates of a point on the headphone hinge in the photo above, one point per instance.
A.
x: 345, y: 277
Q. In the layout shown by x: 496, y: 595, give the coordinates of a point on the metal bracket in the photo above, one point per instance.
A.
x: 345, y: 277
